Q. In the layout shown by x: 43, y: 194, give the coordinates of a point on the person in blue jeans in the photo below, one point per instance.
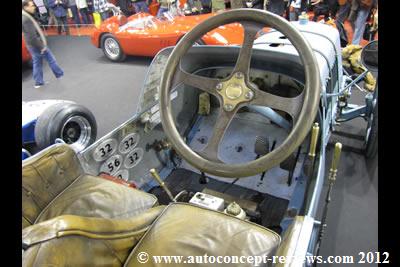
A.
x: 343, y: 12
x: 37, y: 62
x: 74, y: 9
x: 164, y: 7
x: 358, y: 16
x: 140, y: 6
x: 37, y: 45
x: 295, y: 10
x: 82, y: 5
x: 60, y: 11
x: 359, y: 12
x: 161, y: 11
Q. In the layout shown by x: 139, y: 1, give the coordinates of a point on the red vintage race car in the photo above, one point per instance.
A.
x: 26, y: 56
x: 144, y: 35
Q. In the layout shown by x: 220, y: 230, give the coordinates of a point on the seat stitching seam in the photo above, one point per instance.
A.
x: 44, y: 180
x: 54, y: 199
x: 33, y: 197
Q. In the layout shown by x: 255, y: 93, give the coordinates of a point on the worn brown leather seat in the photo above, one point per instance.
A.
x: 187, y: 230
x: 178, y: 230
x: 70, y: 240
x: 54, y: 184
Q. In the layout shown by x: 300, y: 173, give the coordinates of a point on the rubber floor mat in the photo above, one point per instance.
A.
x: 272, y: 209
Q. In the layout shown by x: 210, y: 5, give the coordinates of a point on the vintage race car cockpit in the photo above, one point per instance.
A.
x: 226, y: 154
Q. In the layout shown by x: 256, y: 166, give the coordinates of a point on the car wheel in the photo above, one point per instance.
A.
x: 111, y: 48
x: 73, y: 123
x: 371, y: 137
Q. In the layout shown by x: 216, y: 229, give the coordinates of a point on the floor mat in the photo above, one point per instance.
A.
x: 272, y: 209
x: 241, y: 134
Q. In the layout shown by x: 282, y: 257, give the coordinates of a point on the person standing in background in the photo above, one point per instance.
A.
x: 37, y: 45
x: 83, y: 10
x: 217, y: 5
x: 74, y: 10
x: 275, y: 6
x: 90, y: 9
x: 358, y: 16
x: 294, y: 10
x: 344, y: 10
x: 140, y: 6
x: 60, y: 11
x: 52, y: 19
x: 320, y: 8
x: 125, y: 6
x: 164, y: 7
x: 101, y: 6
x: 333, y: 6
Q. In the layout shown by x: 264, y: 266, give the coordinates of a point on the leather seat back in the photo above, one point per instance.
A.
x: 44, y: 176
x: 70, y: 240
x: 186, y: 230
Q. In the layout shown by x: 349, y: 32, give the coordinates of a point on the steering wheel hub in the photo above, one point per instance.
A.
x: 234, y: 91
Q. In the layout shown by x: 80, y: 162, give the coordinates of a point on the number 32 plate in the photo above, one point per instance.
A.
x: 105, y: 149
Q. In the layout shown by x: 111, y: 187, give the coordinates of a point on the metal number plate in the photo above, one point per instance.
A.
x: 133, y: 158
x: 128, y: 143
x: 105, y: 149
x: 122, y: 174
x: 112, y: 165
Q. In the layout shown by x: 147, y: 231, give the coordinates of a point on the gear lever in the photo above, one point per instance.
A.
x: 157, y: 177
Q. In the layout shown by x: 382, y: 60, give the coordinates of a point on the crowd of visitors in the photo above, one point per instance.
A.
x: 60, y: 13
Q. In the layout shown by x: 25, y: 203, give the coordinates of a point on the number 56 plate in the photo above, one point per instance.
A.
x: 112, y: 165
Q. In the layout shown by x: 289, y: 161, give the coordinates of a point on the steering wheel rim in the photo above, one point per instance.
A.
x: 301, y: 126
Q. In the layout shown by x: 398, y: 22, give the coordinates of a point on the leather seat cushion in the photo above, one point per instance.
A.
x: 44, y: 176
x: 92, y: 196
x: 70, y: 240
x: 187, y: 230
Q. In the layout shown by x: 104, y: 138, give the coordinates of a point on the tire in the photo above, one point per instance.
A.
x: 371, y: 142
x: 111, y: 48
x: 73, y: 123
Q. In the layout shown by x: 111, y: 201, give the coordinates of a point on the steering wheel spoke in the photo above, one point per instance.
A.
x: 221, y: 125
x: 203, y: 83
x: 290, y: 105
x: 243, y: 62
